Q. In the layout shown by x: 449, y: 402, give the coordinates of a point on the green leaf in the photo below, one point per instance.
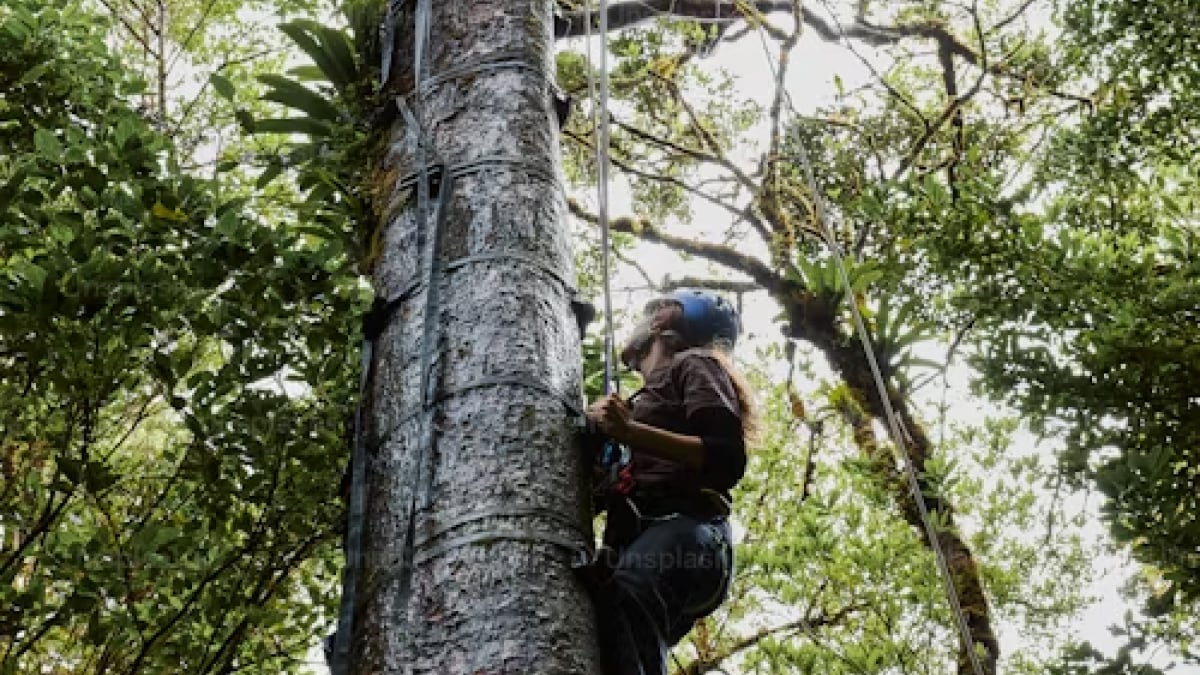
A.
x: 921, y: 363
x: 862, y: 278
x: 831, y: 279
x: 33, y: 74
x: 292, y: 125
x: 99, y: 477
x: 308, y: 72
x: 162, y: 366
x: 331, y: 57
x: 338, y: 45
x: 81, y: 603
x: 222, y: 85
x: 233, y: 206
x: 124, y: 132
x: 920, y: 331
x: 269, y: 174
x: 35, y: 275
x: 71, y: 468
x: 296, y: 95
x: 883, y: 317
x: 245, y: 120
x: 47, y: 144
x: 809, y: 272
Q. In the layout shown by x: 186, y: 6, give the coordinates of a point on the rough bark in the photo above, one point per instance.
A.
x: 472, y: 503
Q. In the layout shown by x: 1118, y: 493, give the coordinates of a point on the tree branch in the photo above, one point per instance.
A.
x: 724, y: 255
x: 631, y: 169
x: 724, y: 285
x: 187, y: 41
x: 625, y: 14
x: 263, y: 592
x: 1004, y: 23
x: 705, y: 135
x: 187, y: 109
x: 141, y: 40
x: 37, y: 635
x: 650, y: 283
x: 141, y: 415
x: 50, y: 513
x: 816, y: 323
x: 865, y: 403
x: 698, y: 155
x: 815, y: 430
x: 802, y: 624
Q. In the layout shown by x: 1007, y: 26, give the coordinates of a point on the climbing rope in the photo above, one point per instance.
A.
x: 601, y: 137
x: 615, y: 457
x: 899, y: 435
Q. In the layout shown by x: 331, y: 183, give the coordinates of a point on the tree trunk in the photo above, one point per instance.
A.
x: 476, y: 488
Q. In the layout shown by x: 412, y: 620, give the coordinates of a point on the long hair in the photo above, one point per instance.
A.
x: 665, y: 326
x: 747, y: 408
x: 751, y: 424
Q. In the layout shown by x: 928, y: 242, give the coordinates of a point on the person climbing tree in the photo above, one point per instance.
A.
x: 667, y: 558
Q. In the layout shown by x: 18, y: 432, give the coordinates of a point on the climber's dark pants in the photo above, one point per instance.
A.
x: 675, y: 572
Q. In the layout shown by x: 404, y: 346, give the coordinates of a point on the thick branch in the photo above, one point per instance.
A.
x: 964, y: 570
x: 810, y: 460
x: 712, y: 284
x: 626, y: 14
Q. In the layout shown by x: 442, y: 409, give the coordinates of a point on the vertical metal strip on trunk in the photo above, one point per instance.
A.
x: 340, y: 664
x: 431, y: 230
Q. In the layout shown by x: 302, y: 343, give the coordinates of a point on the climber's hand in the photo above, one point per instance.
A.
x: 611, y: 414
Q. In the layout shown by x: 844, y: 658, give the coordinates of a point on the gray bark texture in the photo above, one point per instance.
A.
x: 476, y: 489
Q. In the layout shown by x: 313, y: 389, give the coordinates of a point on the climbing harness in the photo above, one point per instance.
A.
x: 899, y: 435
x: 434, y: 180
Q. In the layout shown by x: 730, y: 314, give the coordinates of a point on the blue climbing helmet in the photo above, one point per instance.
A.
x: 708, y: 318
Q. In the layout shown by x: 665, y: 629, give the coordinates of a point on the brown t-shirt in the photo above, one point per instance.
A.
x: 693, y: 395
